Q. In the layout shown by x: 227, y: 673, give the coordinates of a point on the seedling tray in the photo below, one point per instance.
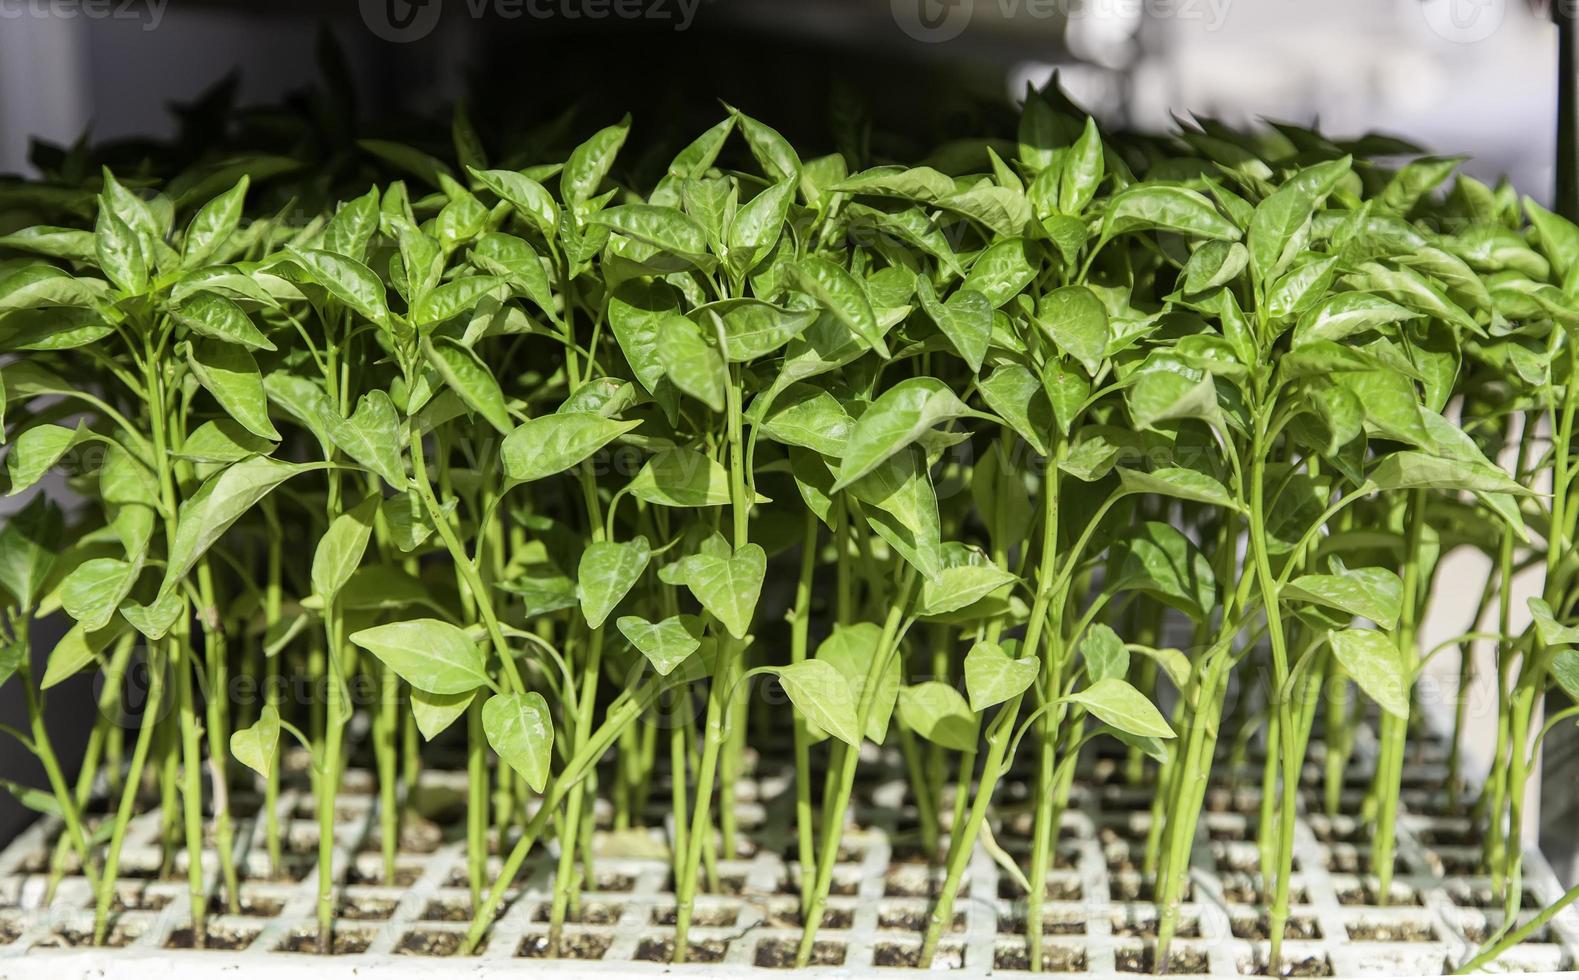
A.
x: 1098, y: 920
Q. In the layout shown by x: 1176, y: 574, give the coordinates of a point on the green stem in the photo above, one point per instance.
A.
x: 123, y: 813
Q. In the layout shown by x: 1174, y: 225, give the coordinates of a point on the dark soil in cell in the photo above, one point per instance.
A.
x: 592, y: 913
x: 698, y: 951
x: 1443, y: 836
x: 138, y: 900
x: 1391, y: 932
x: 913, y: 919
x: 1343, y: 859
x: 367, y: 909
x: 1355, y: 895
x: 720, y: 917
x: 257, y: 906
x: 373, y: 874
x: 1246, y: 890
x: 347, y: 942
x: 788, y: 917
x: 1482, y: 897
x: 779, y: 954
x: 432, y: 942
x: 288, y: 871
x: 1307, y: 966
x: 727, y: 885
x: 1145, y: 927
x: 1058, y: 889
x: 949, y: 956
x: 1479, y: 932
x: 1144, y: 960
x: 445, y: 910
x: 1055, y: 958
x: 1259, y: 928
x: 227, y: 938
x: 1134, y: 888
x: 1453, y: 865
x: 120, y: 934
x: 572, y: 946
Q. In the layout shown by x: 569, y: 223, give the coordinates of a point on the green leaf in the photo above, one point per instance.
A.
x: 1565, y: 670
x: 669, y: 230
x: 606, y: 572
x: 992, y: 676
x: 95, y: 589
x: 521, y: 731
x: 1551, y: 632
x: 258, y: 746
x: 514, y: 261
x: 1020, y: 399
x: 965, y: 319
x: 1076, y: 322
x: 436, y: 712
x: 635, y: 311
x: 1004, y: 269
x: 30, y: 542
x: 1176, y: 481
x: 428, y: 654
x: 1104, y: 653
x: 231, y: 376
x: 350, y: 282
x: 757, y: 225
x: 694, y: 366
x: 589, y: 163
x: 682, y: 478
x: 822, y: 694
x: 371, y: 437
x: 809, y: 417
x: 851, y: 649
x: 222, y: 441
x: 530, y: 199
x: 213, y: 224
x: 454, y: 298
x: 968, y: 576
x: 76, y: 650
x: 1375, y: 594
x: 938, y: 713
x: 841, y: 295
x: 36, y: 451
x: 120, y: 254
x: 1374, y: 661
x: 906, y: 509
x: 155, y: 619
x: 1344, y: 314
x: 340, y: 550
x: 551, y: 444
x: 469, y: 378
x: 1280, y: 224
x: 1416, y: 470
x: 898, y: 417
x: 1119, y: 704
x: 666, y: 644
x: 1083, y: 171
x: 1162, y: 396
x: 728, y: 586
x: 753, y: 329
x: 212, y: 315
x: 1159, y: 560
x: 219, y: 503
x: 1166, y: 208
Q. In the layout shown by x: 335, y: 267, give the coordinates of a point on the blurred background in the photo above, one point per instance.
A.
x: 1470, y: 77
